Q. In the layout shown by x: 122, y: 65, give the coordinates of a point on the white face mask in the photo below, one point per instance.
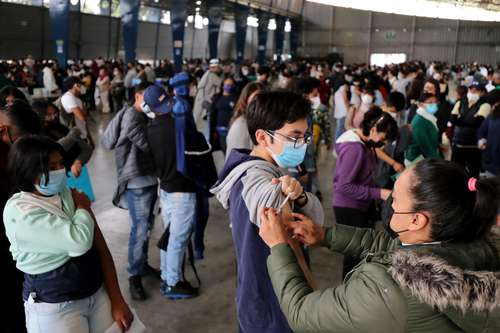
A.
x: 83, y: 90
x: 472, y: 97
x: 366, y: 99
x: 437, y: 76
x: 316, y: 102
x: 244, y: 71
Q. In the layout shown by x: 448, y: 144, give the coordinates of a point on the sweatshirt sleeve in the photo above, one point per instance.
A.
x: 357, y: 241
x: 347, y: 173
x: 370, y: 301
x: 38, y: 231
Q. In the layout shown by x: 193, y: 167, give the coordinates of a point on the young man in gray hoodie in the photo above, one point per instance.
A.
x: 252, y: 180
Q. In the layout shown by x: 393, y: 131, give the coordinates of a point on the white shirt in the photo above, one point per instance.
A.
x: 340, y: 107
x: 70, y: 101
x: 49, y: 81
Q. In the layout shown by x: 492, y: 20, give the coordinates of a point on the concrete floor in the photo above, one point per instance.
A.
x: 214, y: 310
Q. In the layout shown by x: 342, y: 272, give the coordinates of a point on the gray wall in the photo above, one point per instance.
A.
x: 357, y: 33
x: 26, y: 30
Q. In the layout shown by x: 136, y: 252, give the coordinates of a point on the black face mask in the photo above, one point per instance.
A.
x: 392, y: 233
x: 374, y: 144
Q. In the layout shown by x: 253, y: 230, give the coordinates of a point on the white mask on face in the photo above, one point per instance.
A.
x: 83, y: 90
x: 316, y: 102
x: 472, y: 97
x: 366, y: 99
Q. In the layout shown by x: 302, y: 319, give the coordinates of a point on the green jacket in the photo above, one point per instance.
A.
x: 425, y: 138
x: 426, y: 288
x: 43, y: 236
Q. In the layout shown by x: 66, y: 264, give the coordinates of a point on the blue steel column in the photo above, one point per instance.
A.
x: 240, y: 18
x: 279, y: 35
x: 130, y: 25
x: 59, y: 17
x: 295, y: 36
x: 215, y: 15
x: 178, y: 18
x: 262, y: 32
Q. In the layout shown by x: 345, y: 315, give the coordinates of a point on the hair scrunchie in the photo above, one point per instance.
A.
x: 472, y: 184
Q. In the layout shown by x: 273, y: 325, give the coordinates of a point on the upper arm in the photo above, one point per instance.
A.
x: 259, y: 192
x: 484, y: 110
x: 78, y: 112
x: 39, y: 229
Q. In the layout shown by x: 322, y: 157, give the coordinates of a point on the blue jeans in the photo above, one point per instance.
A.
x: 141, y: 203
x: 90, y: 314
x: 340, y: 127
x: 178, y: 213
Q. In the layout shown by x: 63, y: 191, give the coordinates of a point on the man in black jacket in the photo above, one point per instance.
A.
x: 177, y: 195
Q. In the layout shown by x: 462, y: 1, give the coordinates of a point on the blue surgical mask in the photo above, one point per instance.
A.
x: 56, y: 184
x: 290, y: 157
x: 431, y: 108
x: 228, y: 88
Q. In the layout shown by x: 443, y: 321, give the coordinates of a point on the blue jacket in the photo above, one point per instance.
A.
x: 490, y: 130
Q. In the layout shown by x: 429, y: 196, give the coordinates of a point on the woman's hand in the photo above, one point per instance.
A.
x: 398, y: 167
x: 76, y: 168
x: 121, y: 314
x: 272, y: 229
x: 305, y: 230
x: 289, y: 186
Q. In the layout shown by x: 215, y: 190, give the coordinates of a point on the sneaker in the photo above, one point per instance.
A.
x: 149, y: 270
x: 182, y: 290
x: 136, y: 289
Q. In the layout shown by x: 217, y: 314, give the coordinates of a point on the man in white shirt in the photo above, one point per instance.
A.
x: 72, y: 105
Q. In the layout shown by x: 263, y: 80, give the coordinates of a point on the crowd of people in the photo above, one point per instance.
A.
x: 416, y: 150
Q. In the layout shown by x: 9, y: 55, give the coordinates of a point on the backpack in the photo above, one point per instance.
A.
x: 194, y: 153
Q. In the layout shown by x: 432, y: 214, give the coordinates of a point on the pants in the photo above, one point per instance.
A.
x: 469, y: 158
x: 202, y: 213
x: 141, y: 203
x: 178, y: 213
x: 340, y: 127
x: 355, y: 218
x: 86, y: 315
x: 104, y: 97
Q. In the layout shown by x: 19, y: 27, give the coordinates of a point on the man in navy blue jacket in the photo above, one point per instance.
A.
x: 252, y: 180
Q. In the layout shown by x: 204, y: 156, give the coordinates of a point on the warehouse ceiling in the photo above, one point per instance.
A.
x: 485, y: 4
x: 288, y: 8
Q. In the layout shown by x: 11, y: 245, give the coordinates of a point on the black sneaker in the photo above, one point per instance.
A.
x: 149, y: 270
x: 182, y: 290
x: 136, y: 289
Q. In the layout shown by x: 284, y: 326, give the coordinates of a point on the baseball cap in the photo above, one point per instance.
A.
x: 157, y: 99
x: 214, y: 62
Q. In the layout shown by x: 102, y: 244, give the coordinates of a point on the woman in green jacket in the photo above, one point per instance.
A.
x: 425, y: 140
x: 435, y: 269
x: 70, y: 282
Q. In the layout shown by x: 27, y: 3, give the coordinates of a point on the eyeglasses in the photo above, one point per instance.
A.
x: 297, y: 142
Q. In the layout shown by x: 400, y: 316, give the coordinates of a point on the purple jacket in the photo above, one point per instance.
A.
x: 353, y: 184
